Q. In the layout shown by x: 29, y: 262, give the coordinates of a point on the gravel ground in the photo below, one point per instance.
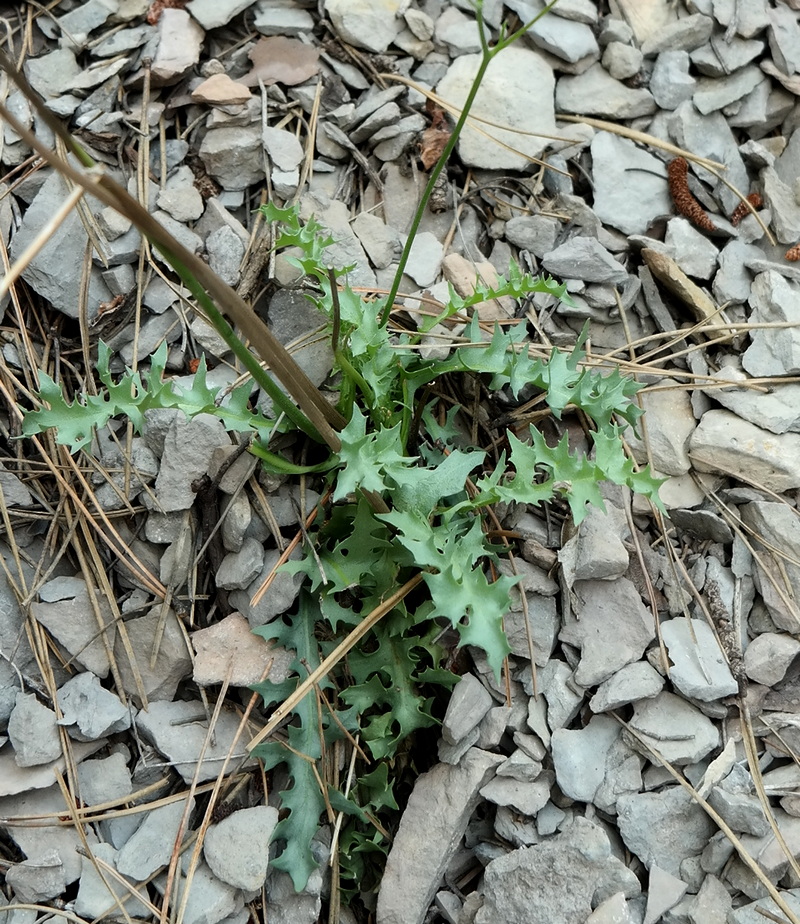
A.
x: 640, y: 763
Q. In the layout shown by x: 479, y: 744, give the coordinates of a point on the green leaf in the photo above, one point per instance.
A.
x: 368, y: 459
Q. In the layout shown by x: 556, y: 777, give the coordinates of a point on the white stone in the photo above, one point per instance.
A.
x: 517, y: 91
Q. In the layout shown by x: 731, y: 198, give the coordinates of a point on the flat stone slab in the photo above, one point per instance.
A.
x: 516, y: 91
x: 431, y: 827
x: 179, y: 729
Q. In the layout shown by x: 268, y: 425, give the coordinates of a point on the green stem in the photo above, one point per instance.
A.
x: 486, y: 59
x: 240, y: 350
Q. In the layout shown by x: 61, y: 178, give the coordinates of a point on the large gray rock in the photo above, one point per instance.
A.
x: 584, y: 258
x: 698, y: 668
x: 39, y: 841
x: 105, y: 780
x: 151, y: 845
x: 56, y: 271
x: 100, y: 892
x: 663, y: 828
x: 630, y: 184
x: 596, y: 93
x: 723, y: 442
x: 237, y: 848
x: 365, y: 24
x: 560, y: 880
x: 774, y: 351
x: 431, y: 827
x: 180, y: 729
x: 673, y: 727
x: 33, y: 731
x: 516, y: 91
x: 188, y: 447
x: 579, y: 756
x: 90, y: 711
x: 173, y: 662
x: 612, y: 628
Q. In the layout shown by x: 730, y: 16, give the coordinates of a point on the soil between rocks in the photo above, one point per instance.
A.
x: 539, y: 804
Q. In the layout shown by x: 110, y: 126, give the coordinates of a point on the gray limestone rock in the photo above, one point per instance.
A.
x: 89, y: 711
x: 722, y: 56
x: 785, y: 209
x: 237, y: 848
x: 51, y: 275
x: 35, y: 881
x: 664, y: 891
x: 631, y: 683
x: 784, y: 39
x: 670, y: 423
x: 627, y: 194
x: 774, y: 351
x: 50, y: 73
x: 622, y: 61
x: 425, y: 259
x: 570, y: 40
x: 754, y: 913
x: 525, y: 797
x: 179, y: 730
x: 532, y: 232
x: 723, y: 442
x: 517, y: 91
x: 775, y: 526
x: 209, y: 900
x: 596, y: 93
x: 732, y: 280
x: 612, y: 628
x: 673, y: 727
x: 713, y: 93
x: 778, y: 411
x: 40, y: 841
x: 33, y: 732
x: 671, y: 83
x: 104, y: 780
x: 432, y: 825
x: 277, y: 600
x: 99, y: 893
x: 698, y: 667
x: 365, y: 25
x: 346, y: 250
x: 172, y: 664
x: 527, y: 886
x: 180, y: 40
x: 150, y: 846
x: 225, y: 253
x: 693, y: 252
x: 584, y: 258
x: 769, y: 656
x: 681, y: 35
x: 67, y: 612
x: 711, y: 136
x: 188, y: 447
x: 239, y: 569
x: 234, y: 156
x: 458, y: 32
x: 288, y: 19
x: 211, y: 14
x: 596, y: 552
x: 579, y: 756
x: 735, y: 800
x: 469, y: 703
x: 663, y: 828
x: 381, y: 242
